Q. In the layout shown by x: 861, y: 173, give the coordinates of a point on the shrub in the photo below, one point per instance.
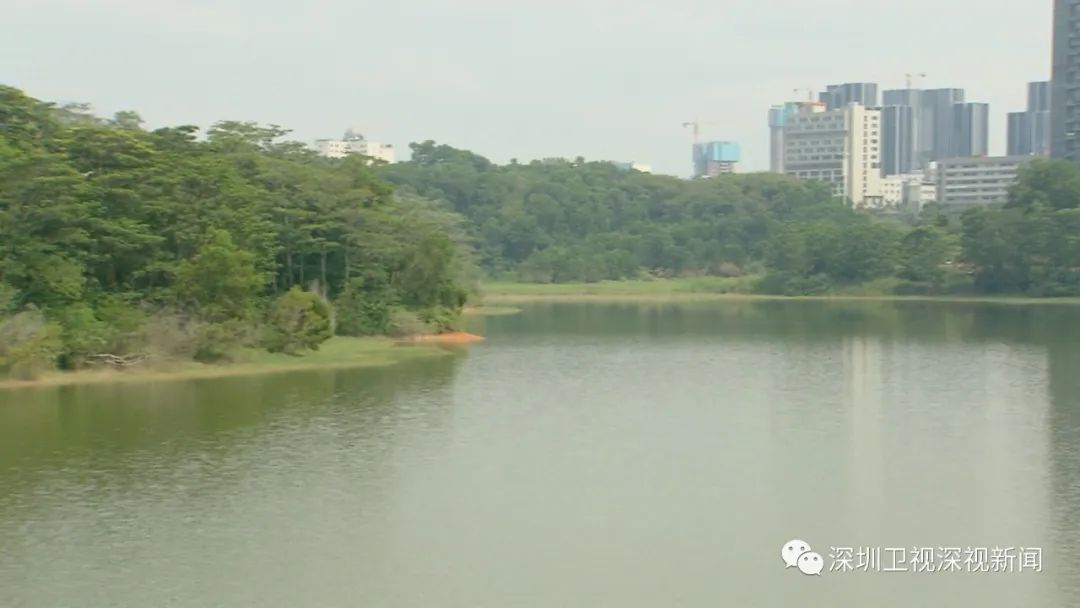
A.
x: 218, y: 342
x: 299, y: 320
x: 439, y: 318
x: 405, y: 323
x: 362, y: 313
x: 29, y: 345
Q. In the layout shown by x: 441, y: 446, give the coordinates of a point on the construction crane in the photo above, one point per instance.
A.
x: 696, y: 124
x: 910, y: 78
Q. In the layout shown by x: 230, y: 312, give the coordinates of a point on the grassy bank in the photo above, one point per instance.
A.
x: 336, y: 353
x: 710, y: 288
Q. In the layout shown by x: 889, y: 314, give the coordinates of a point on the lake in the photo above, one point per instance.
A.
x: 592, y: 455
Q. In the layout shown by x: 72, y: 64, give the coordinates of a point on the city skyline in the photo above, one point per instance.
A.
x: 484, y: 76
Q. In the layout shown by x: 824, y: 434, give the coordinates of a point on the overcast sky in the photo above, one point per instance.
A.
x: 604, y: 79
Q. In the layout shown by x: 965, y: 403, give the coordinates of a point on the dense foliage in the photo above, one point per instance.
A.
x: 562, y: 221
x: 117, y: 242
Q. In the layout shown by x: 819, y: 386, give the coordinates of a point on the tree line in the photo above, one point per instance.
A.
x: 572, y: 220
x: 118, y: 243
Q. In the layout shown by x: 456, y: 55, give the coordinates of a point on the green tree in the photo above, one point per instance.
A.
x: 221, y: 282
x: 922, y: 254
x: 1050, y: 182
x: 298, y: 321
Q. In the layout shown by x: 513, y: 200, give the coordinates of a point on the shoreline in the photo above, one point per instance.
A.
x: 675, y: 290
x: 336, y: 353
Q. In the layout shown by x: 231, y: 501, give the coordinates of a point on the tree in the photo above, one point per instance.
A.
x: 298, y: 321
x: 221, y: 281
x: 922, y: 253
x: 1051, y: 182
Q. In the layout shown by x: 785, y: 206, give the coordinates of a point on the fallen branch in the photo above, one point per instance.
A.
x: 118, y: 361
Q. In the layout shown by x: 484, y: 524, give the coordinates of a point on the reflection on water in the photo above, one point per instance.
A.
x: 586, y: 455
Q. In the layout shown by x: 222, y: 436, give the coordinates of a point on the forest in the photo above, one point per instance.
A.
x: 563, y: 221
x: 119, y: 243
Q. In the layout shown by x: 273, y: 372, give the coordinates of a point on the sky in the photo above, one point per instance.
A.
x: 525, y: 79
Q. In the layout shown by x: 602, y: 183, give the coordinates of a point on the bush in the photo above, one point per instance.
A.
x: 793, y: 284
x: 404, y: 323
x: 299, y: 320
x: 363, y: 313
x: 8, y: 297
x: 218, y: 342
x: 170, y: 336
x: 83, y: 335
x: 440, y: 318
x: 29, y: 345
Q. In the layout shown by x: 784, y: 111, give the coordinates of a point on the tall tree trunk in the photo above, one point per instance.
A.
x: 346, y: 255
x: 322, y: 272
x: 288, y: 269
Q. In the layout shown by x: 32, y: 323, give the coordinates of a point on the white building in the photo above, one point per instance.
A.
x: 839, y: 147
x: 354, y: 143
x: 907, y: 191
x: 976, y: 181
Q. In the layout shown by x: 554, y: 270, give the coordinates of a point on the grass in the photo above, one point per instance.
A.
x: 336, y: 353
x: 641, y: 287
x: 490, y: 311
x: 715, y: 288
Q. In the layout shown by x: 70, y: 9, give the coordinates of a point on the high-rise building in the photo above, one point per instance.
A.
x: 922, y: 126
x: 1038, y: 99
x: 778, y: 116
x: 354, y: 143
x: 1065, y: 87
x: 899, y: 130
x: 839, y: 147
x: 1038, y: 108
x: 838, y: 96
x: 970, y: 130
x: 901, y: 134
x: 1029, y: 131
x: 712, y: 158
x: 1018, y: 134
x: 937, y: 124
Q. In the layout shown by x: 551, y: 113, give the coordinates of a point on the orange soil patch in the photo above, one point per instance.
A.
x: 453, y: 337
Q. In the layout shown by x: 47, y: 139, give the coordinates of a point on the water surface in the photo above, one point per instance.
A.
x: 586, y: 455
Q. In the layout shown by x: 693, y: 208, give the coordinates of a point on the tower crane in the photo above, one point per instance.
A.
x: 910, y: 78
x: 809, y: 93
x: 696, y: 129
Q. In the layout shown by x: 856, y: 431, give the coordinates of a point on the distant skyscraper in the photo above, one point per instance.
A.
x: 1019, y: 134
x: 837, y: 96
x: 970, y: 130
x: 1039, y: 102
x: 898, y: 133
x: 778, y: 117
x: 1038, y: 99
x: 1065, y: 90
x: 937, y: 124
x: 1029, y: 131
x: 712, y: 158
x: 901, y: 131
x: 902, y: 97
